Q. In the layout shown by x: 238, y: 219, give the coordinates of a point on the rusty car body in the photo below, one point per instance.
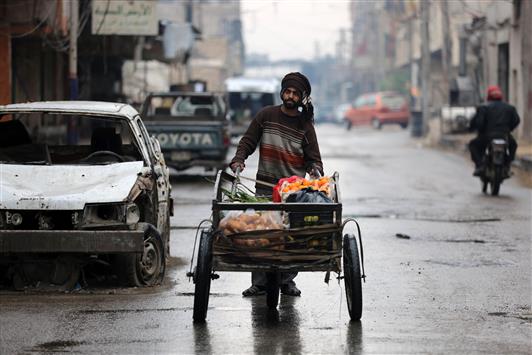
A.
x: 81, y: 182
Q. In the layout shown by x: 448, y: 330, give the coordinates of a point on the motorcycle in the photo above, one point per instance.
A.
x: 496, y: 166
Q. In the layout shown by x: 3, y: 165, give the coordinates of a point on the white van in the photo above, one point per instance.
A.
x: 246, y: 97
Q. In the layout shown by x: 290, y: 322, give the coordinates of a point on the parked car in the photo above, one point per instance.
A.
x: 81, y: 182
x: 192, y: 128
x: 377, y: 109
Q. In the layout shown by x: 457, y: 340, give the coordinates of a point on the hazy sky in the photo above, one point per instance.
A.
x: 289, y: 29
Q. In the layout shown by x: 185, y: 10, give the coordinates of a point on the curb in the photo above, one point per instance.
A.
x: 524, y: 162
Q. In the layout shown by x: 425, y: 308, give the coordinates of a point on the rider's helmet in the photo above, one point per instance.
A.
x: 494, y: 93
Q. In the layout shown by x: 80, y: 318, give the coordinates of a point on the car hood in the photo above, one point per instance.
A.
x: 65, y: 187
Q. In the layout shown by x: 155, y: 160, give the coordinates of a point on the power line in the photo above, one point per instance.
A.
x: 36, y: 27
x: 103, y: 17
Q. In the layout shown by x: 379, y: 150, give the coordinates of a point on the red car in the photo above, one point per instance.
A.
x: 378, y: 108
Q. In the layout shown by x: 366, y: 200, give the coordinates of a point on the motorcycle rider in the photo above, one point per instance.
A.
x: 494, y: 119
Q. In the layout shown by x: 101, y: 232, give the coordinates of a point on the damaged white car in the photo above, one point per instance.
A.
x: 81, y: 182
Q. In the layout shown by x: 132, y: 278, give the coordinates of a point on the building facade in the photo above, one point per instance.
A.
x: 32, y: 62
x: 487, y: 41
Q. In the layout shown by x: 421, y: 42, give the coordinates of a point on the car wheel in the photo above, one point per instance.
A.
x: 146, y: 268
x: 376, y: 123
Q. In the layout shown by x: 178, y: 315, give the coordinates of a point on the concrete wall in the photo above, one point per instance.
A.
x: 30, y: 66
x: 220, y: 51
x: 209, y: 62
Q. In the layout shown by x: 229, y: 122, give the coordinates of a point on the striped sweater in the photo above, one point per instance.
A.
x: 288, y: 146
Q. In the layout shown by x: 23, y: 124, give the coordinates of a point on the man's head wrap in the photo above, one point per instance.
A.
x: 300, y: 83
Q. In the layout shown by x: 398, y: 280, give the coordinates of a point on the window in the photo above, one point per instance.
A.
x: 252, y: 101
x: 185, y: 107
x: 71, y: 138
x: 393, y: 101
x: 360, y: 101
x: 371, y: 100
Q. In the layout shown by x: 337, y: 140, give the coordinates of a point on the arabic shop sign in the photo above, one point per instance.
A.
x: 119, y: 17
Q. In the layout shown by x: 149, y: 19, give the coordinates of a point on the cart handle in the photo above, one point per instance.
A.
x: 236, y: 181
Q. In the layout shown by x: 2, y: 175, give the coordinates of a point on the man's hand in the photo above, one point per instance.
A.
x: 237, y: 165
x: 314, y: 172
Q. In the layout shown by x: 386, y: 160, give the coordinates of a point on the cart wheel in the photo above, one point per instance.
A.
x: 352, y: 277
x: 272, y: 289
x: 202, y: 277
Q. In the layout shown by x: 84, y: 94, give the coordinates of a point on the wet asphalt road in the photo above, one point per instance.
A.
x: 460, y: 284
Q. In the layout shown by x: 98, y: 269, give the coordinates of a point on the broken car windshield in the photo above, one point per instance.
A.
x: 52, y: 139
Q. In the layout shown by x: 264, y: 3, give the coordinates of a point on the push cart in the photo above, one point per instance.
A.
x: 312, y: 242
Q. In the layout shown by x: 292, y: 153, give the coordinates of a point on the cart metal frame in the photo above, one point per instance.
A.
x: 212, y: 257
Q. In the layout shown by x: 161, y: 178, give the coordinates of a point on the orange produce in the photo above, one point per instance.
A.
x: 321, y: 184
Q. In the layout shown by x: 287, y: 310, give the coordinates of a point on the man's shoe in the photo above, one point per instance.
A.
x: 478, y: 171
x: 290, y: 290
x: 254, y: 291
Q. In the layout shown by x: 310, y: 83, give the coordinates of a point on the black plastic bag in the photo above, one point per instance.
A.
x: 308, y: 195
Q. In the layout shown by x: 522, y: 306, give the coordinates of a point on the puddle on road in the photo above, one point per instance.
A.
x: 527, y: 317
x: 468, y: 264
x: 428, y: 219
x: 120, y: 311
x: 473, y: 220
x: 187, y: 294
x: 191, y: 294
x: 503, y: 314
x: 63, y: 346
x: 523, y: 316
x: 465, y: 241
x: 231, y: 309
x: 57, y: 345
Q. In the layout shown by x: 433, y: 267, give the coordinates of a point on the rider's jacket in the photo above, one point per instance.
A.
x: 495, y: 118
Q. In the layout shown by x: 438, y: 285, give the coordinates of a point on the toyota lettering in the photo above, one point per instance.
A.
x: 185, y: 140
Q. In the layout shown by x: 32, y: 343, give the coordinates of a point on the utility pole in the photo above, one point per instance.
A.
x: 445, y: 58
x: 414, y: 67
x: 446, y: 48
x: 189, y: 18
x: 72, y: 134
x: 425, y: 65
x: 73, y: 50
